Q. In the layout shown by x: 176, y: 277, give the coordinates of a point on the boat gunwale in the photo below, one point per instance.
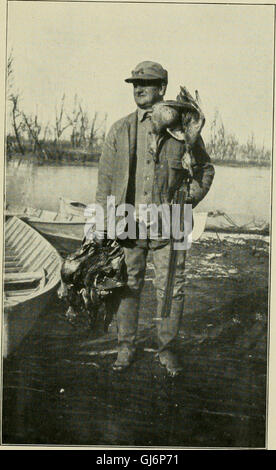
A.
x: 54, y: 222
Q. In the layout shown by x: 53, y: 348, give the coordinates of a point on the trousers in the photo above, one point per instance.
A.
x: 128, y: 311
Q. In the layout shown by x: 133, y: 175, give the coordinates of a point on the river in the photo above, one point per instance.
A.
x: 234, y: 190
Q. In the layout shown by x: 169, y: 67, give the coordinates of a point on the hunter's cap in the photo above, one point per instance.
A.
x: 148, y: 70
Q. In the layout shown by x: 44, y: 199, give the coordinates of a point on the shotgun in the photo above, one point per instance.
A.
x: 180, y: 198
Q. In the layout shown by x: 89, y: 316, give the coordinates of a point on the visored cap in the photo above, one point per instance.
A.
x: 148, y: 70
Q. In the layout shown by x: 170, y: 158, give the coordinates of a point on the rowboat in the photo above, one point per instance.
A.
x: 31, y: 277
x: 212, y: 221
x: 65, y: 229
x: 69, y: 207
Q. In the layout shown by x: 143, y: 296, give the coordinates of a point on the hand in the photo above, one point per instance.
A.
x: 98, y: 237
x: 93, y: 235
x: 175, y: 180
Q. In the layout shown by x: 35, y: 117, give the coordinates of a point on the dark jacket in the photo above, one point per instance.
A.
x: 118, y: 158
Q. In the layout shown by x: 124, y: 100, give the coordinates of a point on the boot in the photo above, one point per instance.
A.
x: 111, y: 308
x: 127, y: 325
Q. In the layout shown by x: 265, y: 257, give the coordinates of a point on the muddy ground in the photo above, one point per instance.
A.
x: 59, y: 387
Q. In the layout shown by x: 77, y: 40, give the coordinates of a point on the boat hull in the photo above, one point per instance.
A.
x: 65, y: 237
x: 32, y: 276
x: 20, y: 319
x: 212, y: 221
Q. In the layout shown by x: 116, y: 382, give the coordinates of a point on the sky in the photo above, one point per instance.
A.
x: 88, y: 49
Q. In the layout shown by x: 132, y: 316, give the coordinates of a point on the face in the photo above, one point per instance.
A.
x: 146, y: 93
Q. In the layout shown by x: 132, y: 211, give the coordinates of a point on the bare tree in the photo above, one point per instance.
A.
x: 93, y: 131
x: 59, y: 126
x: 84, y: 122
x: 97, y: 131
x: 14, y: 113
x: 48, y: 140
x: 33, y: 128
x: 80, y: 124
x: 73, y: 121
x: 16, y: 124
x: 10, y: 75
x: 46, y: 132
x: 59, y: 129
x: 10, y: 72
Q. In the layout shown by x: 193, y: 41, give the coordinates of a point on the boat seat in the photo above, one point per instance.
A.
x: 13, y: 296
x: 10, y: 257
x: 11, y: 269
x: 12, y: 263
x: 24, y: 278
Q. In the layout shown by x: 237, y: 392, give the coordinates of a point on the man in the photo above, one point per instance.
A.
x: 128, y: 171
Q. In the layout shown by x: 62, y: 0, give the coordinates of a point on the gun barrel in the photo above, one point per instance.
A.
x: 181, y: 197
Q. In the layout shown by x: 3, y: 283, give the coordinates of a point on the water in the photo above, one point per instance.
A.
x: 234, y: 190
x: 41, y: 186
x: 240, y: 190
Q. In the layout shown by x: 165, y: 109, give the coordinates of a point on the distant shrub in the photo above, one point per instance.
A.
x: 224, y: 147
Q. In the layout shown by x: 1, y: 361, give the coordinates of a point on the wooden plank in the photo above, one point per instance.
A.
x: 12, y: 222
x: 16, y: 277
x: 17, y: 240
x: 25, y: 241
x: 10, y: 231
x: 13, y: 228
x: 12, y: 270
x: 27, y: 250
x: 15, y: 265
x: 37, y: 252
x: 52, y: 267
x: 16, y: 294
x: 9, y: 262
x: 10, y: 257
x: 43, y: 260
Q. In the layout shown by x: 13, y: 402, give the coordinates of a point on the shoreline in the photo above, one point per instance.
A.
x: 94, y: 163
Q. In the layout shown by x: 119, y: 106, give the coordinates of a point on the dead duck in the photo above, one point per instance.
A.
x: 182, y: 118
